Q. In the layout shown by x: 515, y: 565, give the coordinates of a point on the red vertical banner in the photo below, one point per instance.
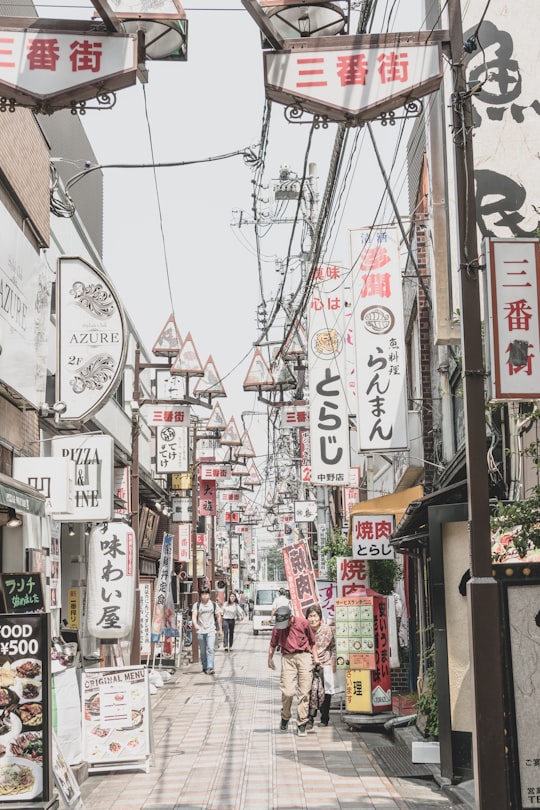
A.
x: 300, y: 577
x: 207, y: 497
x: 381, y: 695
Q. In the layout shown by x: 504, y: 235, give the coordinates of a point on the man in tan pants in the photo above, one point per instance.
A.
x: 294, y: 636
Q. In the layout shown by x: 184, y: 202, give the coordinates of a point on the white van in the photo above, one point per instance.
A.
x: 264, y: 594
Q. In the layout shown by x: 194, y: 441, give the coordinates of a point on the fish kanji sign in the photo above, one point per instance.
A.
x: 49, y: 69
x: 356, y: 77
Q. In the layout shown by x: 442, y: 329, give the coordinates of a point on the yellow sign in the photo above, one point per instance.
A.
x: 201, y: 564
x: 180, y: 480
x: 358, y: 690
x: 73, y: 611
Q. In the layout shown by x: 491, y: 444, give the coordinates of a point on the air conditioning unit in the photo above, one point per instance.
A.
x: 409, y: 467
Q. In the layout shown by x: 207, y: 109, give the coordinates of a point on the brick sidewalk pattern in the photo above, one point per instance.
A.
x: 217, y: 746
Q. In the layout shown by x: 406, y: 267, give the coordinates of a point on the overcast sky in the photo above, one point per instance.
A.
x: 208, y: 106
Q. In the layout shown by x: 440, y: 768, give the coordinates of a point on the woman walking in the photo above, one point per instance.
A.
x: 326, y: 650
x: 231, y: 612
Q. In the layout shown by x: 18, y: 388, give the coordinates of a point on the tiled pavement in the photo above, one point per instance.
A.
x: 217, y: 746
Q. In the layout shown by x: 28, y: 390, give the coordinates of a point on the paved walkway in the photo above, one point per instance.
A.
x: 217, y: 746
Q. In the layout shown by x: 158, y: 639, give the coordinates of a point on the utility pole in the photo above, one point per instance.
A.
x: 485, y: 635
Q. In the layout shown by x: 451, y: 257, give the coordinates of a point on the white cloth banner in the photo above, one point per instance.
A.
x: 328, y: 411
x: 379, y: 340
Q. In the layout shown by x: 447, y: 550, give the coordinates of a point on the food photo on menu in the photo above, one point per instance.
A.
x: 21, y: 729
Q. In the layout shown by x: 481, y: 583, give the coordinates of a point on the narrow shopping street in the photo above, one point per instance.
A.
x: 217, y: 745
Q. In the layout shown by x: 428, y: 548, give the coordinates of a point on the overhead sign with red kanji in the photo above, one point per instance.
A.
x: 207, y: 497
x: 370, y: 536
x: 352, y: 575
x: 356, y: 77
x: 379, y: 339
x: 167, y: 415
x: 52, y: 69
x: 513, y: 266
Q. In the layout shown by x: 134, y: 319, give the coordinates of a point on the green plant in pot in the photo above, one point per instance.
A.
x: 427, y: 707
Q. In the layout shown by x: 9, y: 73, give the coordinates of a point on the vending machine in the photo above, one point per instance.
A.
x: 362, y: 647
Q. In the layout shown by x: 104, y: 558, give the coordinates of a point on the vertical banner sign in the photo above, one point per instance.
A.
x: 163, y: 589
x: 91, y: 338
x: 514, y: 298
x: 327, y: 591
x: 351, y: 575
x: 379, y: 340
x: 328, y: 411
x: 207, y: 498
x: 371, y: 537
x: 94, y: 470
x: 25, y: 766
x: 184, y: 542
x: 111, y: 581
x: 145, y: 590
x: 172, y: 449
x: 300, y: 577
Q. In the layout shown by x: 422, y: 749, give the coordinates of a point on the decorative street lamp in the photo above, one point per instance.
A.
x: 164, y: 27
x: 292, y: 19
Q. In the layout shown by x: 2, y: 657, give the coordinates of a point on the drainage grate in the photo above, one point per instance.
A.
x: 395, y: 760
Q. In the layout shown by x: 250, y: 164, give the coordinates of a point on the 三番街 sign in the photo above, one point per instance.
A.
x: 354, y: 78
x: 47, y: 69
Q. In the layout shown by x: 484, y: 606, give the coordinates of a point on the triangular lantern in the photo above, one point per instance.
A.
x: 296, y: 343
x: 231, y: 435
x: 282, y: 375
x: 259, y: 375
x: 188, y: 361
x: 216, y: 420
x: 210, y: 382
x: 246, y: 449
x: 169, y: 341
x: 254, y: 476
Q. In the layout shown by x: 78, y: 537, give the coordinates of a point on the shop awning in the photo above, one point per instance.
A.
x: 21, y: 497
x: 412, y: 531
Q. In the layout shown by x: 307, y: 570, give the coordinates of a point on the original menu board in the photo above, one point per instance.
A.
x: 115, y: 717
x: 355, y: 633
x: 25, y: 730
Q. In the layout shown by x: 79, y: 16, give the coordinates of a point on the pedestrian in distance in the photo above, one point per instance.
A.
x: 326, y: 652
x: 205, y: 615
x: 281, y: 600
x: 231, y: 613
x: 242, y: 602
x: 294, y: 636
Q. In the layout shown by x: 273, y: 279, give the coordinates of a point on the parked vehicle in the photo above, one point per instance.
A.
x: 264, y: 594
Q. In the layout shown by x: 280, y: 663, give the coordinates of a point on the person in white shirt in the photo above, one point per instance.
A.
x: 281, y: 600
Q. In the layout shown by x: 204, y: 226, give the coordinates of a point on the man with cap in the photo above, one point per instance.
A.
x: 294, y: 636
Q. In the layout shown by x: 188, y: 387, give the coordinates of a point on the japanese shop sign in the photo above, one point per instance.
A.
x: 116, y: 720
x: 213, y: 472
x: 371, y: 537
x: 513, y: 268
x: 22, y: 593
x: 184, y: 542
x: 94, y: 471
x: 167, y: 415
x: 327, y: 594
x: 182, y: 510
x: 293, y: 417
x: 350, y: 497
x: 355, y: 645
x: 53, y: 477
x: 26, y: 772
x: 112, y: 561
x: 300, y: 577
x: 305, y: 511
x: 25, y: 296
x: 164, y: 616
x: 91, y: 338
x: 379, y: 340
x: 328, y: 412
x: 172, y: 449
x: 58, y: 68
x: 122, y: 489
x: 344, y: 80
x: 207, y: 498
x: 145, y: 614
x: 351, y: 575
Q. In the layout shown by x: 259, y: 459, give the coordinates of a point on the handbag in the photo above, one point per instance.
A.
x: 316, y: 695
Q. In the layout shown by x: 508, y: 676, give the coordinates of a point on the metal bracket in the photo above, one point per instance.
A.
x: 294, y: 114
x: 106, y: 100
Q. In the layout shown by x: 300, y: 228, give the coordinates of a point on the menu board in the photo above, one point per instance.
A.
x: 355, y: 633
x: 25, y: 731
x: 115, y: 716
x: 22, y: 593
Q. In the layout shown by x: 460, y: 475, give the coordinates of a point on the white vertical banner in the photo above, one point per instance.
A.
x: 379, y: 339
x: 328, y: 412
